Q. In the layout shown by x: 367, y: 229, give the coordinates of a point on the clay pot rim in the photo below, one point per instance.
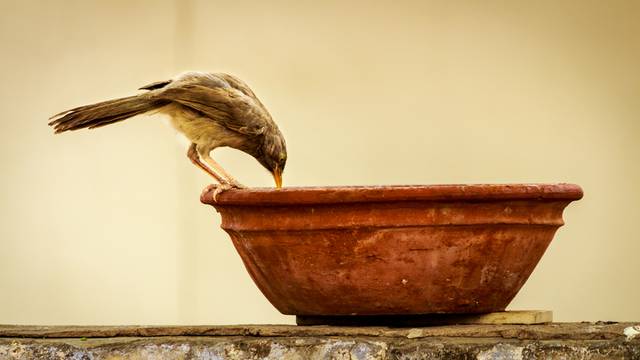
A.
x: 392, y: 193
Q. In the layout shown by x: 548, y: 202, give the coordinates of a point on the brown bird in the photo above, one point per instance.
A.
x: 211, y: 110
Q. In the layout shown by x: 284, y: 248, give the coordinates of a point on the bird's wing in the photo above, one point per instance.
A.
x: 225, y: 105
x: 156, y: 85
x: 238, y: 84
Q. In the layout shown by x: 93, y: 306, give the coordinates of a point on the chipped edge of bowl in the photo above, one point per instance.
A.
x: 390, y: 193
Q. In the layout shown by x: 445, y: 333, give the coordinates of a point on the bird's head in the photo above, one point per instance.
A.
x: 273, y: 155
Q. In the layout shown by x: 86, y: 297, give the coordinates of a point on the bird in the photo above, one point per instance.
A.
x: 210, y: 109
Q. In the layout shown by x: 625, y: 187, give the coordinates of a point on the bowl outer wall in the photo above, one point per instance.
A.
x: 393, y: 250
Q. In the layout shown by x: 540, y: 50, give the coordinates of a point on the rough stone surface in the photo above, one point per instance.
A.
x: 554, y: 341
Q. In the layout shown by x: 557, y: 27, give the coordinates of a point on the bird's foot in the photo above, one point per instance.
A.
x: 236, y: 185
x: 220, y: 188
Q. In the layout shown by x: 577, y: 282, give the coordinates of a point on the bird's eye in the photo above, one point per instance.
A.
x: 283, y: 157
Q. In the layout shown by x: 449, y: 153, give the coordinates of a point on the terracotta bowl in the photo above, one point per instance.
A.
x: 392, y: 250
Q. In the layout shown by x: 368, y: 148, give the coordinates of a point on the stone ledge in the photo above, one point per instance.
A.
x: 558, y: 340
x: 553, y: 331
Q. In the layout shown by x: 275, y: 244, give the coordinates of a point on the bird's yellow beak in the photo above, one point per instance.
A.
x: 277, y: 176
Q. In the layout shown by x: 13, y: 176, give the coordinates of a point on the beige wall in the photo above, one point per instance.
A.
x: 105, y: 227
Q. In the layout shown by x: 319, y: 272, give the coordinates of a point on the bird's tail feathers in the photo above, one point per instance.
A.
x: 102, y: 113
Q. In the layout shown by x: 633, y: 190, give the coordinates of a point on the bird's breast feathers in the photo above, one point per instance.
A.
x: 200, y: 129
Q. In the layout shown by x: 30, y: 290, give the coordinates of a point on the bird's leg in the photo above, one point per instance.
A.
x: 226, y: 181
x: 218, y: 169
x: 192, y: 154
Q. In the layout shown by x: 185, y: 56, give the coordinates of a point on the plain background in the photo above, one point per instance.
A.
x: 105, y: 226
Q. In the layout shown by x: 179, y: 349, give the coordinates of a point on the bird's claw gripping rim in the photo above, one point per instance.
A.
x: 220, y: 188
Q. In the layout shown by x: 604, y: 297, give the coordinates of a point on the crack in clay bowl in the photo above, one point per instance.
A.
x: 392, y: 250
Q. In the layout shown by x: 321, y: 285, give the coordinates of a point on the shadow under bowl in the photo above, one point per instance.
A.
x: 392, y: 250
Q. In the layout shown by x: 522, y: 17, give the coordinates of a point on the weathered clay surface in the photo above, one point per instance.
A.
x: 394, y: 249
x: 555, y: 341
